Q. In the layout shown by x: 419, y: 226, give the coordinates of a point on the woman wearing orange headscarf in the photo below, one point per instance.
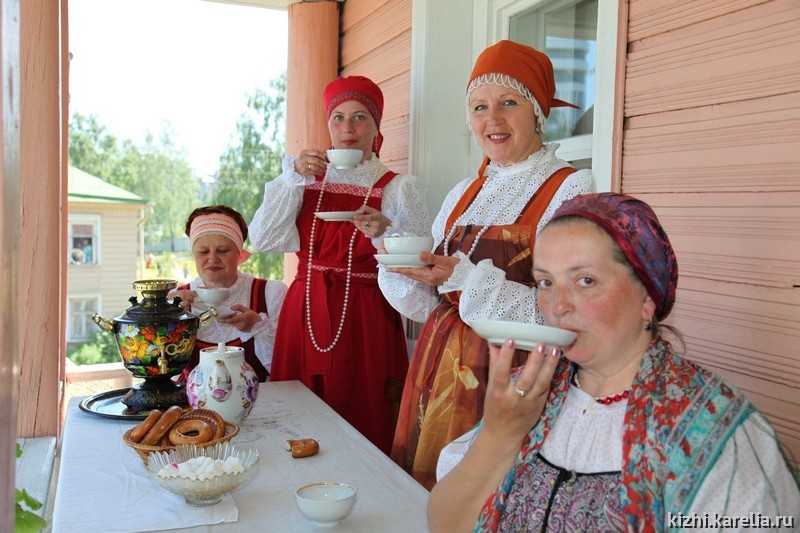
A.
x: 337, y: 333
x: 481, y: 268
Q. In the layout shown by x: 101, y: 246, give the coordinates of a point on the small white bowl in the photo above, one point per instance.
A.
x: 407, y: 245
x: 327, y: 503
x: 344, y: 158
x: 212, y: 296
x: 208, y: 491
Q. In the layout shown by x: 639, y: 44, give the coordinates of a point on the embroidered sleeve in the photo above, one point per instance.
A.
x: 405, y: 205
x: 273, y: 227
x: 414, y: 299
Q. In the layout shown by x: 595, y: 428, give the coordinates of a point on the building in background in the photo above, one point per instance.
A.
x: 104, y: 237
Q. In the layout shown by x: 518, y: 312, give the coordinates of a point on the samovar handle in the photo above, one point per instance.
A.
x: 207, y: 315
x: 103, y: 323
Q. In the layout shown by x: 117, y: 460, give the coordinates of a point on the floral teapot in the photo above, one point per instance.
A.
x: 223, y: 382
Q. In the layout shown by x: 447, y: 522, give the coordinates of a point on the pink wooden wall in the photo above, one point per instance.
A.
x: 39, y: 259
x: 376, y: 42
x: 712, y: 129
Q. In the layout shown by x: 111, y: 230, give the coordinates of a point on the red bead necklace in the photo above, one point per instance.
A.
x: 607, y: 400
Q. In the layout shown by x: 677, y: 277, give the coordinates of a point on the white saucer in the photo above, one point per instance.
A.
x: 525, y: 335
x: 222, y: 310
x: 400, y: 260
x: 333, y: 216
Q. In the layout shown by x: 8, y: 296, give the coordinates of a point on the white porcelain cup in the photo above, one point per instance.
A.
x: 344, y: 158
x: 327, y: 503
x: 212, y: 296
x: 407, y: 245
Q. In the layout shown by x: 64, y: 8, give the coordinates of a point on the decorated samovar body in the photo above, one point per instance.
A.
x: 155, y: 338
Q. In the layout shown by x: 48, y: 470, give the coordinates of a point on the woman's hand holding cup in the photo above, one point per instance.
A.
x: 310, y: 163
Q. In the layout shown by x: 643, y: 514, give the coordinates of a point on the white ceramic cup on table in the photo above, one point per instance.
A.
x: 326, y: 503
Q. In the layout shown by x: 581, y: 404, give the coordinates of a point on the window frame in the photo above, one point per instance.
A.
x: 599, y: 146
x: 70, y: 316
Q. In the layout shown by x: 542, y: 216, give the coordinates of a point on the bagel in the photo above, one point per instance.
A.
x: 190, y: 432
x: 161, y: 427
x: 302, y: 447
x: 141, y: 430
x: 213, y: 419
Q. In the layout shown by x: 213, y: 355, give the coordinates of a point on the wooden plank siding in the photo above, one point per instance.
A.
x: 658, y: 17
x: 743, y: 55
x: 375, y: 42
x: 712, y: 126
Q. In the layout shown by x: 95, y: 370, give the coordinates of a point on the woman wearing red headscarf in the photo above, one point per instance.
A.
x: 337, y: 333
x: 481, y: 268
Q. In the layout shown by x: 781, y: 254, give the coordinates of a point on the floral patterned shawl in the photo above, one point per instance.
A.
x: 678, y: 419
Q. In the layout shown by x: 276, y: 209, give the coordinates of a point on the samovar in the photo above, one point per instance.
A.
x: 155, y: 338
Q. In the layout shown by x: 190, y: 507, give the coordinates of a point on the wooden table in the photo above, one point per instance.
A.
x: 103, y: 486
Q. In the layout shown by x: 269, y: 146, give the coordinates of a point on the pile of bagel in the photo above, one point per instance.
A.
x: 173, y: 427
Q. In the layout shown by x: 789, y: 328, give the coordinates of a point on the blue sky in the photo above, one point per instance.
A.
x: 145, y: 65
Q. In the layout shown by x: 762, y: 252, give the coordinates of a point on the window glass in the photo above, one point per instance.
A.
x: 567, y: 32
x: 83, y: 243
x: 79, y: 318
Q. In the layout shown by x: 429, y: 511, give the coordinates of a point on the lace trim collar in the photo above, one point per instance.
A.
x: 534, y: 162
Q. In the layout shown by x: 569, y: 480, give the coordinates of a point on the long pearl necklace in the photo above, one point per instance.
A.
x: 459, y: 221
x: 606, y: 400
x: 349, y: 269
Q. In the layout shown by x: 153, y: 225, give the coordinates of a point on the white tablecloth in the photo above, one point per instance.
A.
x: 103, y: 485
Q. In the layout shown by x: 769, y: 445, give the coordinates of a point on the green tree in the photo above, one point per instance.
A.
x: 157, y: 170
x: 100, y: 348
x: 252, y: 160
x: 91, y: 147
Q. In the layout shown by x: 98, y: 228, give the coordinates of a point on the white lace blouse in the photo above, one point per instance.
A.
x: 273, y: 227
x: 262, y: 333
x: 486, y: 294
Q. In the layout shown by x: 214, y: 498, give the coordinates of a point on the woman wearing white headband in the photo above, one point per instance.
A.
x: 248, y: 317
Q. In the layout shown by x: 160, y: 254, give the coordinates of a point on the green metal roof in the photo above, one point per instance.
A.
x: 83, y: 187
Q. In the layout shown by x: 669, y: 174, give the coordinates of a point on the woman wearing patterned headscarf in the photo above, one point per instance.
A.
x: 337, y: 332
x: 481, y: 268
x: 249, y: 315
x: 620, y: 434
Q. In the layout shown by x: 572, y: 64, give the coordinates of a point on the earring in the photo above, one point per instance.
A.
x: 648, y: 326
